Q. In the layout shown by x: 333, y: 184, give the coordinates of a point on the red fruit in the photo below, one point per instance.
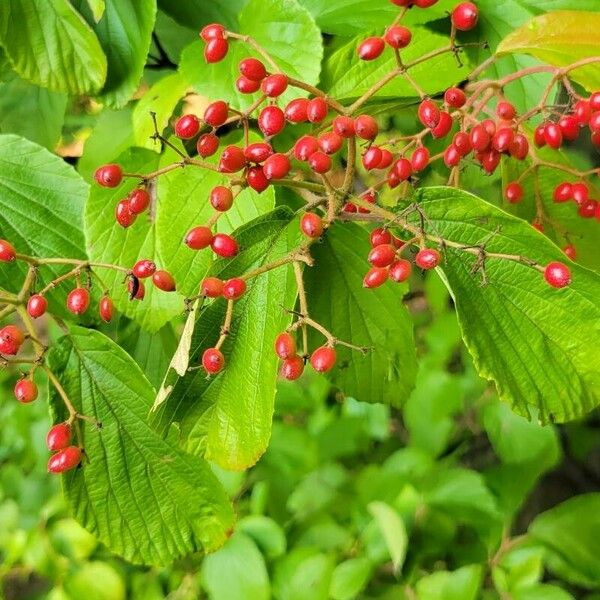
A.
x: 514, y: 192
x: 319, y: 162
x: 506, y: 111
x: 420, y: 159
x: 519, y: 147
x: 213, y: 361
x: 221, y: 198
x: 429, y: 114
x: 557, y: 275
x: 164, y: 281
x: 256, y: 179
x: 502, y: 139
x: 36, y: 306
x: 271, y: 120
x: 464, y: 16
x: 285, y: 345
x: 455, y: 97
x: 199, y: 238
x: 380, y: 236
x: 234, y: 288
x: 366, y: 127
x: 370, y: 196
x: 397, y: 36
x: 490, y: 161
x: 224, y: 245
x: 59, y: 437
x: 371, y: 158
x: 400, y: 270
x: 598, y: 212
x: 349, y: 208
x: 274, y: 85
x: 317, y: 110
x: 442, y: 129
x: 375, y: 277
x: 136, y: 289
x: 330, y: 142
x: 258, y: 152
x: 386, y: 159
x: 143, y: 269
x: 252, y: 69
x: 595, y: 139
x: 563, y: 192
x: 187, y: 127
x: 109, y: 176
x: 311, y: 225
x: 595, y: 122
x: 11, y: 339
x: 403, y: 168
x: 64, y: 460
x: 424, y: 3
x: 553, y: 135
x: 452, y: 156
x: 211, y: 287
x: 216, y: 113
x: 570, y: 251
x: 7, y: 252
x: 344, y: 126
x: 296, y: 110
x: 26, y: 391
x: 292, y: 368
x: 427, y: 258
x: 594, y: 101
x: 277, y: 166
x: 582, y: 112
x: 246, y: 86
x: 139, y: 200
x: 580, y: 192
x: 323, y: 359
x: 371, y: 48
x: 216, y: 50
x: 106, y: 309
x: 539, y: 136
x: 305, y: 146
x: 393, y: 180
x: 587, y: 209
x: 569, y: 127
x: 480, y: 138
x: 78, y: 301
x: 462, y: 142
x: 382, y: 256
x: 232, y: 160
x: 123, y: 214
x: 212, y: 31
x: 207, y: 144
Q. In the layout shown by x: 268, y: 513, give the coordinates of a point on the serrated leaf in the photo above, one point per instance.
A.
x: 143, y: 498
x: 54, y: 47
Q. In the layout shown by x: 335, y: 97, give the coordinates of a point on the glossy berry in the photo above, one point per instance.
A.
x: 285, y: 345
x: 199, y: 238
x: 78, y: 301
x: 490, y: 160
x: 232, y: 160
x: 109, y: 176
x: 36, y: 306
x: 375, y: 277
x: 323, y: 359
x: 371, y: 48
x: 452, y: 156
x: 125, y: 218
x: 216, y: 50
x: 139, y: 201
x: 553, y: 135
x: 211, y: 287
x: 207, y: 145
x: 271, y: 120
x: 505, y: 110
x: 106, y: 309
x: 455, y: 97
x: 570, y: 251
x: 557, y: 275
x: 258, y: 152
x: 221, y: 198
x: 380, y: 236
x: 580, y: 193
x: 64, y: 460
x: 382, y: 255
x: 296, y: 110
x: 224, y: 245
x: 464, y: 16
x: 442, y: 129
x: 213, y: 361
x: 582, y: 112
x: 427, y: 258
x: 386, y: 159
x: 398, y: 37
x: 277, y: 166
x: 317, y: 110
x: 212, y: 31
x: 136, y: 289
x: 253, y: 69
x: 502, y: 139
x: 274, y: 85
x: 563, y: 192
x: 371, y: 158
x: 59, y: 437
x: 539, y: 137
x: 292, y: 368
x: 330, y: 142
x: 234, y: 288
x: 587, y: 209
x: 594, y: 122
x: 256, y: 179
x: 216, y: 113
x: 480, y: 138
x: 187, y: 127
x: 164, y: 281
x: 26, y: 391
x: 311, y: 225
x: 569, y: 127
x: 429, y: 114
x: 462, y: 142
x: 344, y: 126
x: 513, y: 192
x: 11, y: 339
x: 400, y: 270
x: 144, y: 268
x: 420, y: 159
x: 519, y: 147
x: 319, y: 162
x: 247, y: 86
x: 366, y: 127
x: 305, y: 146
x: 7, y: 252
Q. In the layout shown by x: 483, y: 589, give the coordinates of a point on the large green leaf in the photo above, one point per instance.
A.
x: 525, y: 335
x: 50, y: 44
x: 373, y: 319
x: 197, y: 13
x: 144, y: 498
x: 227, y: 418
x: 560, y: 38
x: 283, y: 27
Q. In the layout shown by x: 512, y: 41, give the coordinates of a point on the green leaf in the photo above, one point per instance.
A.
x: 96, y: 581
x: 350, y: 578
x: 197, y: 13
x: 462, y: 584
x: 303, y: 573
x: 571, y: 534
x: 394, y: 531
x: 373, y: 319
x: 559, y: 38
x: 542, y: 592
x: 237, y: 570
x: 283, y: 27
x: 227, y: 418
x: 559, y: 326
x: 50, y: 44
x: 97, y: 7
x: 143, y: 498
x: 266, y: 533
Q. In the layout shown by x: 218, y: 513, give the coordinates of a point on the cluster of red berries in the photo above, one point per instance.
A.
x: 65, y: 456
x: 11, y: 340
x: 322, y: 359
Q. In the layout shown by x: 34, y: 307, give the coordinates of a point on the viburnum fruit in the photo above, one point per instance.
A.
x: 400, y: 270
x: 216, y: 50
x: 109, y: 175
x: 78, y: 300
x: 427, y: 258
x: 213, y: 361
x: 7, y: 252
x: 212, y: 31
x: 371, y: 48
x: 256, y: 179
x: 365, y: 127
x: 258, y: 152
x: 305, y: 146
x: 557, y: 275
x: 247, y: 86
x: 292, y: 368
x: 216, y: 113
x: 311, y: 225
x: 317, y: 110
x: 330, y: 142
x: 221, y: 198
x: 106, y: 309
x: 344, y: 126
x: 382, y: 255
x: 139, y: 201
x: 464, y: 16
x: 11, y: 339
x: 136, y: 289
x: 429, y: 114
x: 187, y: 127
x: 323, y: 359
x: 570, y: 251
x: 397, y: 36
x: 285, y: 345
x: 271, y: 120
x: 207, y: 145
x: 36, y: 306
x: 26, y: 391
x: 319, y: 162
x: 59, y: 437
x: 277, y: 166
x: 380, y: 236
x: 455, y: 97
x: 211, y: 287
x: 124, y: 216
x: 199, y: 238
x: 232, y: 160
x: 64, y: 460
x: 514, y: 192
x: 253, y: 69
x: 375, y: 277
x: 224, y: 245
x: 164, y: 281
x: 420, y: 159
x: 144, y: 268
x: 274, y: 85
x: 296, y: 110
x: 234, y: 288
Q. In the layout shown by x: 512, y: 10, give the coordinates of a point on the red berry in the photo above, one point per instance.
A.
x: 246, y: 86
x: 164, y: 281
x: 207, y: 145
x: 213, y: 361
x: 569, y: 127
x: 271, y: 120
x: 570, y: 251
x: 557, y: 275
x: 464, y: 16
x: 296, y: 110
x: 139, y: 200
x: 234, y: 288
x: 539, y: 136
x: 274, y: 85
x: 277, y: 166
x: 256, y: 179
x: 519, y: 147
x: 330, y: 142
x: 502, y: 139
x: 187, y: 127
x: 143, y: 269
x: 375, y: 277
x: 106, y: 309
x: 587, y: 209
x: 442, y: 129
x: 224, y: 245
x: 109, y: 176
x: 580, y: 192
x: 311, y: 225
x: 319, y: 162
x: 7, y: 252
x: 403, y: 168
x: 490, y: 160
x: 462, y: 142
x: 553, y: 135
x: 216, y: 113
x: 594, y: 101
x: 305, y: 146
x: 11, y: 339
x: 382, y: 256
x: 199, y: 238
x: 317, y: 110
x: 582, y: 112
x: 386, y: 159
x: 136, y: 289
x: 563, y: 192
x: 253, y: 69
x: 455, y: 97
x: 452, y: 156
x: 26, y: 391
x: 480, y: 138
x: 211, y: 287
x: 595, y: 122
x: 36, y: 306
x: 64, y: 460
x: 427, y: 258
x: 59, y: 437
x: 371, y: 48
x: 400, y: 270
x: 232, y: 160
x: 366, y: 127
x: 429, y: 114
x: 78, y: 301
x: 123, y: 214
x: 323, y: 359
x: 292, y: 368
x: 506, y: 111
x: 424, y: 3
x: 216, y: 50
x: 344, y: 126
x: 380, y: 236
x: 221, y: 198
x: 371, y: 158
x: 514, y: 192
x: 212, y: 31
x: 258, y: 152
x: 397, y: 36
x: 285, y: 345
x: 420, y: 159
